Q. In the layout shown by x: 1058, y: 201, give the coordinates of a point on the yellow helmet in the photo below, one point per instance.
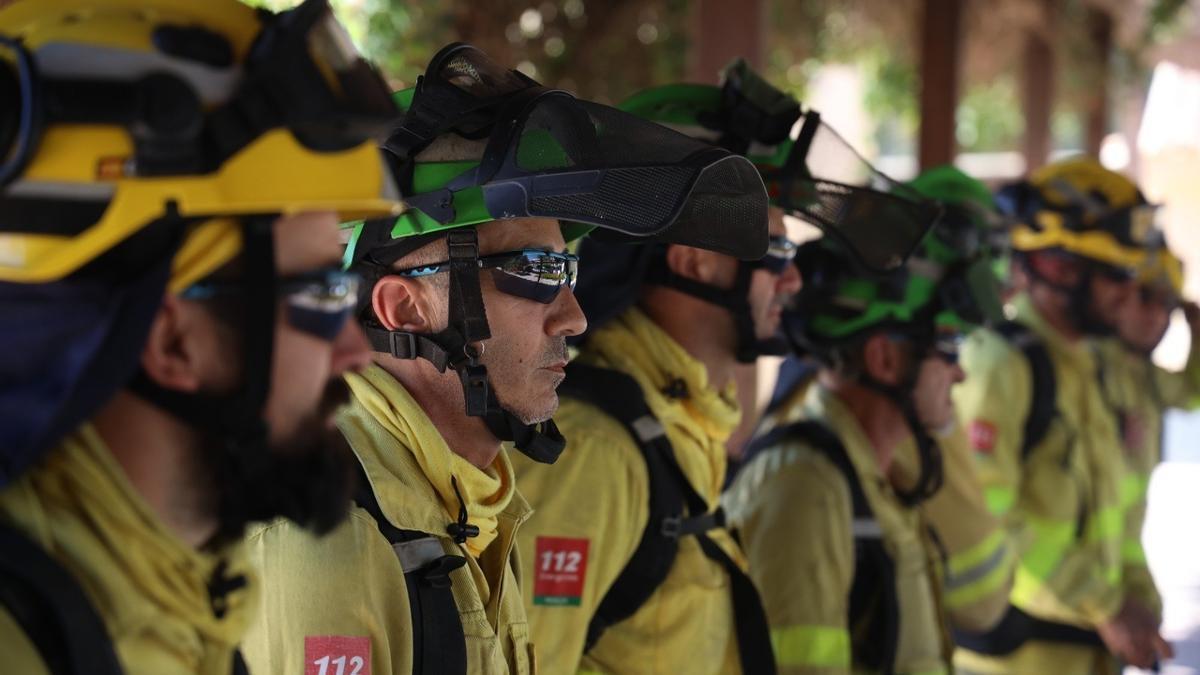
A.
x: 1162, y: 269
x: 1079, y: 206
x: 143, y: 144
x: 123, y: 114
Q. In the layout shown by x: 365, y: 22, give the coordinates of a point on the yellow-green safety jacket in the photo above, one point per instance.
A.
x: 792, y: 509
x: 1140, y: 393
x: 978, y: 557
x: 149, y: 588
x: 1061, y: 504
x: 591, y: 509
x: 343, y: 596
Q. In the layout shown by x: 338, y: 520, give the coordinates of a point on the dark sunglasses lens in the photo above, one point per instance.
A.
x: 775, y: 265
x: 780, y: 253
x: 946, y: 348
x: 321, y: 306
x: 1115, y: 274
x: 536, y: 276
x: 318, y: 323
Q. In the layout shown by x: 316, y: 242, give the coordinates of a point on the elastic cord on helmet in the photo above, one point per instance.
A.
x: 454, y: 348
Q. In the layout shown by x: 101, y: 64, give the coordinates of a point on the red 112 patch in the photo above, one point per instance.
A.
x: 983, y: 435
x: 559, y: 570
x: 337, y: 655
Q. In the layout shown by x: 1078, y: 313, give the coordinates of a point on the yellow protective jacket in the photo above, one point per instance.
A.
x: 1139, y: 393
x: 793, y: 511
x: 593, y: 502
x: 149, y: 587
x: 978, y: 558
x: 344, y: 594
x: 1061, y: 504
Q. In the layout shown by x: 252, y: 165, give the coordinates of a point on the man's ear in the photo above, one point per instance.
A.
x: 171, y: 355
x: 403, y: 304
x: 692, y: 263
x: 883, y: 359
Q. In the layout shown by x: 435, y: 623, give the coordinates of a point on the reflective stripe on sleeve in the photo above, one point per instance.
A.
x: 811, y: 645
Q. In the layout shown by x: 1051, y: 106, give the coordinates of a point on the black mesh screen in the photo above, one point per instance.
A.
x: 880, y: 220
x: 610, y: 202
x: 549, y: 154
x: 651, y: 178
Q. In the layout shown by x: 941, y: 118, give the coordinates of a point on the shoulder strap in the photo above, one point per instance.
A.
x: 1043, y: 405
x: 50, y: 605
x: 874, y: 605
x: 620, y: 396
x: 675, y: 510
x: 439, y: 644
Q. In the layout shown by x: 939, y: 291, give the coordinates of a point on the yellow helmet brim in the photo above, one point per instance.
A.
x: 273, y: 175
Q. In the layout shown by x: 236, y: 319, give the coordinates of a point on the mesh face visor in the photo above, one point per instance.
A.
x: 825, y: 182
x: 550, y: 155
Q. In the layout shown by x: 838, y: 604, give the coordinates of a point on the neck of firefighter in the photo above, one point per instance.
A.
x: 160, y: 455
x: 441, y: 396
x: 704, y: 330
x: 878, y: 416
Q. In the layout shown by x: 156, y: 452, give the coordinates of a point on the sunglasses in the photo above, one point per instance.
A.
x: 1149, y: 295
x: 528, y: 273
x: 1113, y: 273
x: 318, y: 302
x: 946, y: 346
x: 781, y: 251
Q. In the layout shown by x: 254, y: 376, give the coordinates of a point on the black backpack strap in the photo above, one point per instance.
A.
x: 239, y: 664
x: 676, y: 510
x: 50, y: 605
x: 1043, y: 406
x: 874, y: 604
x: 1017, y: 627
x: 439, y: 644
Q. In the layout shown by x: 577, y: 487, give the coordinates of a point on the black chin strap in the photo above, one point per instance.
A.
x: 931, y: 473
x: 735, y: 300
x: 237, y: 418
x: 454, y: 348
x: 1080, y: 312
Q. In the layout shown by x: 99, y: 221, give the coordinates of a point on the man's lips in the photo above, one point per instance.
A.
x: 558, y: 367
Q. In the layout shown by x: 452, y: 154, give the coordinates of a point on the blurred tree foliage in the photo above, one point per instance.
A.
x: 608, y: 49
x: 600, y: 49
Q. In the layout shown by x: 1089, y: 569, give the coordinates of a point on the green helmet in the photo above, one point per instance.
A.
x: 815, y: 176
x: 945, y: 288
x: 931, y: 301
x: 969, y: 211
x: 479, y: 143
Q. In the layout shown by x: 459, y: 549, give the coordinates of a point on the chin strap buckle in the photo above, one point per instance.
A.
x: 475, y: 388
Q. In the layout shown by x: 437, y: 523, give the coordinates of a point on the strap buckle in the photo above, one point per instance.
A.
x: 437, y: 573
x: 672, y: 527
x: 675, y: 527
x: 402, y: 345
